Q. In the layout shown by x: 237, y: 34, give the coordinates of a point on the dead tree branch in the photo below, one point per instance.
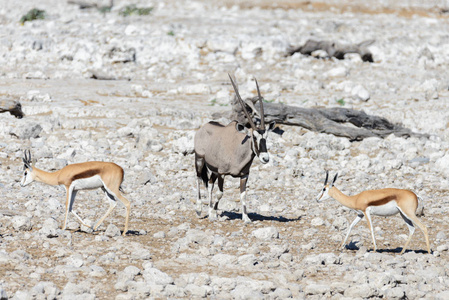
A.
x: 336, y: 49
x: 14, y: 108
x: 352, y: 124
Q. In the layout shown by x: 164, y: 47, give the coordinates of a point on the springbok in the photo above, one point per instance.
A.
x: 229, y: 150
x: 384, y: 202
x: 82, y: 176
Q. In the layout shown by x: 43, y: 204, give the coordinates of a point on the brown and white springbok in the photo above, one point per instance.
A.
x: 229, y: 150
x: 82, y: 176
x: 383, y: 202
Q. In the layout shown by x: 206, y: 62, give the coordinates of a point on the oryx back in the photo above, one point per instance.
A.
x: 225, y: 150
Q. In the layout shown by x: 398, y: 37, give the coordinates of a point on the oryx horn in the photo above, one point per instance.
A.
x: 262, y: 115
x: 248, y: 116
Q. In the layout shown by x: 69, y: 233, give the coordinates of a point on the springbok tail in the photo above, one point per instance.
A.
x: 420, y: 209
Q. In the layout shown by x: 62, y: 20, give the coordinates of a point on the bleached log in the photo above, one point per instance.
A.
x: 353, y: 124
x: 336, y: 49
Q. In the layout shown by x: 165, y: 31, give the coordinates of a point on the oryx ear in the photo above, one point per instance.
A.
x: 335, y: 179
x: 271, y: 126
x: 239, y: 127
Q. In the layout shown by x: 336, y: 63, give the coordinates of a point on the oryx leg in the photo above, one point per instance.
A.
x: 370, y: 226
x: 201, y: 175
x: 212, y: 211
x: 243, y: 181
x: 220, y: 190
x: 356, y: 220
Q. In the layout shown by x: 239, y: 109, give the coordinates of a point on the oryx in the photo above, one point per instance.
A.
x: 229, y: 150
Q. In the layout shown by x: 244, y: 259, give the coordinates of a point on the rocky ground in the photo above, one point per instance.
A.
x: 167, y: 75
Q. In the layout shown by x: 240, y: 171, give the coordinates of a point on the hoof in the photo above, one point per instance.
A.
x: 198, y: 213
x: 247, y: 220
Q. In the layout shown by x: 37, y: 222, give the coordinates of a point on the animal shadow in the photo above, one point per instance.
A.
x: 258, y: 217
x: 352, y: 246
x: 396, y: 250
x: 399, y: 249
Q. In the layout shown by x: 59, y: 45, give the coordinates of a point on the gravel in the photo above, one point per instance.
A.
x: 168, y: 75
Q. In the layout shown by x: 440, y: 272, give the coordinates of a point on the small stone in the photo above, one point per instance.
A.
x: 26, y: 130
x: 317, y: 222
x: 21, y: 223
x: 442, y: 248
x: 112, y: 231
x: 142, y: 254
x: 50, y: 228
x: 266, y: 233
x: 159, y: 235
x: 337, y: 72
x: 360, y: 93
x: 317, y: 289
x: 196, y: 291
x: 155, y: 276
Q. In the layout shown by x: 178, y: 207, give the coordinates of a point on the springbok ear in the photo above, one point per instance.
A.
x: 335, y: 179
x: 27, y: 166
x: 239, y: 127
x: 271, y: 126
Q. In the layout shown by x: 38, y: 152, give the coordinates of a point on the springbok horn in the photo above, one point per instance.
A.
x: 335, y: 179
x: 250, y: 120
x: 25, y: 159
x: 262, y: 115
x: 327, y: 177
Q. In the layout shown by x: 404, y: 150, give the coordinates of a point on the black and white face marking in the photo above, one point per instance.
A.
x: 27, y: 177
x: 324, y: 194
x: 260, y: 143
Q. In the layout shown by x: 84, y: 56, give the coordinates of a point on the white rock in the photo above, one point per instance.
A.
x: 112, y: 231
x: 26, y: 130
x: 337, y: 72
x: 155, y: 276
x: 141, y: 254
x: 4, y: 257
x: 21, y: 223
x: 317, y: 221
x: 75, y: 260
x: 242, y: 291
x: 442, y: 248
x: 316, y: 289
x: 223, y: 259
x: 266, y: 233
x: 199, y: 88
x: 360, y: 93
x: 196, y: 291
x: 50, y: 228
